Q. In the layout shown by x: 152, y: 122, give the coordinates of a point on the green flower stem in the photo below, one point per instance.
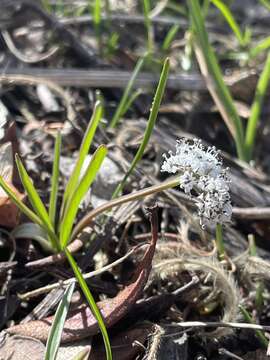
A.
x: 87, y: 219
x: 219, y: 242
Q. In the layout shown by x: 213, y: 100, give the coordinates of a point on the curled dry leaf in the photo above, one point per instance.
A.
x: 81, y: 323
x: 9, y: 213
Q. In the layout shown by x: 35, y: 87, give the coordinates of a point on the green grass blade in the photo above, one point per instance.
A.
x: 32, y: 194
x: 97, y: 13
x: 54, y: 337
x: 226, y: 12
x: 120, y: 108
x: 84, y: 149
x: 55, y: 179
x: 25, y: 209
x: 80, y: 191
x: 170, y: 37
x: 218, y: 89
x: 260, y: 47
x: 265, y: 3
x: 97, y: 22
x: 131, y: 100
x: 262, y: 338
x: 256, y: 108
x: 150, y: 124
x: 148, y: 25
x: 91, y: 302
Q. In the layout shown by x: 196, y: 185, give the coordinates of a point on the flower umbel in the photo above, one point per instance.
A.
x: 201, y: 170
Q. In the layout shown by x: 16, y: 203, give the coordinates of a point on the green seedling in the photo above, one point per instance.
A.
x: 55, y: 231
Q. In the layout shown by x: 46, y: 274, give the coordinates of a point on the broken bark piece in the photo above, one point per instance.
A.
x: 81, y: 323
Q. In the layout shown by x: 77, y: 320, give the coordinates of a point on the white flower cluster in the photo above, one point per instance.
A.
x: 201, y: 171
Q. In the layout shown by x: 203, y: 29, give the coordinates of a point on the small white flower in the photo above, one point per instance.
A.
x: 202, y: 172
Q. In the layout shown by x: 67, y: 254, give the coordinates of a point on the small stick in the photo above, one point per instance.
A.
x: 56, y: 258
x: 48, y: 288
x: 252, y: 213
x: 199, y: 324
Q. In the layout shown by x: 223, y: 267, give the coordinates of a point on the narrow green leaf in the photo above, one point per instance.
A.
x: 260, y: 47
x: 84, y: 149
x: 262, y: 338
x: 33, y: 196
x: 80, y: 191
x: 54, y: 337
x: 36, y: 202
x: 219, y: 91
x: 25, y: 209
x: 34, y: 232
x: 131, y: 100
x: 150, y: 124
x: 91, y: 302
x: 97, y: 13
x: 120, y: 108
x: 148, y: 25
x: 256, y: 107
x: 55, y: 179
x: 170, y: 37
x: 226, y: 12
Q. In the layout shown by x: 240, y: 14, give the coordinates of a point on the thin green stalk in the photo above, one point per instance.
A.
x: 262, y: 338
x: 91, y: 301
x: 120, y: 108
x: 87, y: 219
x: 97, y: 23
x: 220, y: 242
x: 150, y: 125
x: 170, y: 37
x: 55, y: 180
x: 149, y: 28
x: 256, y: 108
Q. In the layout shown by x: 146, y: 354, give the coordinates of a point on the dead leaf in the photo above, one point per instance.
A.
x: 21, y: 347
x: 81, y: 323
